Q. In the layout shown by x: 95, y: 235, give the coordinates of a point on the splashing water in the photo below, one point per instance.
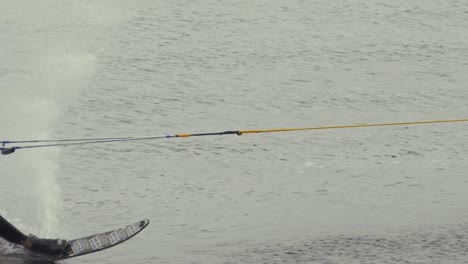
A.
x: 49, y: 56
x: 32, y: 112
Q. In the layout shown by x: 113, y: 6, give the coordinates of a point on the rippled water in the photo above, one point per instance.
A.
x: 120, y: 68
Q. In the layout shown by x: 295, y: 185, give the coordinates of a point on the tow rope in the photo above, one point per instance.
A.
x: 5, y: 149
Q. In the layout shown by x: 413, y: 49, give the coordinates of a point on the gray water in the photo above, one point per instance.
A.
x: 132, y: 68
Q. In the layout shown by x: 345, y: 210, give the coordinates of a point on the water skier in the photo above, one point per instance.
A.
x: 50, y: 247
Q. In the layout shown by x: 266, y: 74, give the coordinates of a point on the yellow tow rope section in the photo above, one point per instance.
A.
x: 240, y: 132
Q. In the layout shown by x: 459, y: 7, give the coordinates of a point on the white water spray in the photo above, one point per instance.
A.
x: 49, y: 55
x: 32, y: 111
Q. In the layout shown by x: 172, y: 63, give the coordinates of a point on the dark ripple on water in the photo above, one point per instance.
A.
x: 444, y: 245
x: 12, y: 254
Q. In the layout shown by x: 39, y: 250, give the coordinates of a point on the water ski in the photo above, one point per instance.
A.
x: 102, y: 241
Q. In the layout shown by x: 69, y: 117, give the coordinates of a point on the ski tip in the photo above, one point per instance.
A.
x: 144, y: 223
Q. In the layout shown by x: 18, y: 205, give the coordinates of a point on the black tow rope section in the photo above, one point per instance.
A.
x: 55, y: 142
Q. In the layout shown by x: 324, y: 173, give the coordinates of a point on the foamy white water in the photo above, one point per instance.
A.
x: 377, y: 195
x: 45, y: 66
